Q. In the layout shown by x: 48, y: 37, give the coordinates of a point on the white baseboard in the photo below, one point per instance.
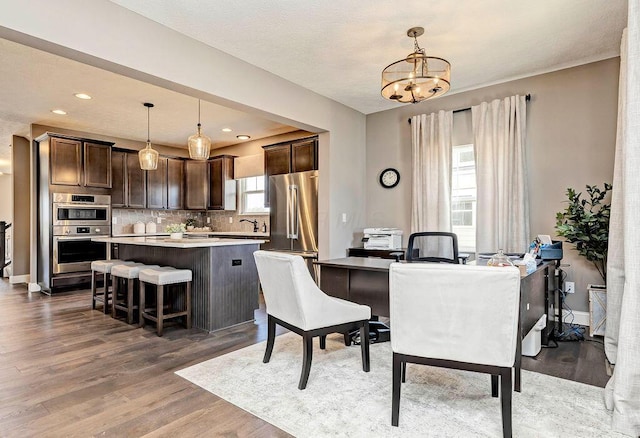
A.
x: 580, y: 318
x: 19, y: 279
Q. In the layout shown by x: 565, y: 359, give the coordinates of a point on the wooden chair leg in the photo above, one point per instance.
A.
x: 160, y: 305
x: 188, y: 298
x: 494, y: 386
x: 395, y: 397
x: 271, y: 336
x: 143, y: 304
x: 364, y: 346
x: 307, y: 356
x: 505, y: 400
x: 323, y: 342
x: 114, y: 294
x: 404, y: 372
x: 347, y: 339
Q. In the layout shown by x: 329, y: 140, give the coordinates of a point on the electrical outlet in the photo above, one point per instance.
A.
x: 569, y: 287
x: 208, y: 219
x: 114, y: 221
x: 159, y: 220
x: 230, y: 219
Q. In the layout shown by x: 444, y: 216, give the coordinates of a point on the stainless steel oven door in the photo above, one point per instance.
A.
x: 74, y: 214
x: 75, y: 254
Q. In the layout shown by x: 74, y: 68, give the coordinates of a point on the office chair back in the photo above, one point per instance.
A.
x: 433, y: 246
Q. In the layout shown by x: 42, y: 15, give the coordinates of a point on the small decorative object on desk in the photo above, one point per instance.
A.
x: 191, y: 224
x: 499, y: 259
x: 176, y: 230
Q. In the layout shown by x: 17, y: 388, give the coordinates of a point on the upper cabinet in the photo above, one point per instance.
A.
x: 196, y: 188
x: 175, y: 184
x: 157, y: 185
x: 222, y: 186
x: 129, y: 181
x: 289, y: 157
x: 77, y: 162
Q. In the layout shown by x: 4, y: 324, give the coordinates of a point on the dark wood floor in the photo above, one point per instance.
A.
x: 67, y: 370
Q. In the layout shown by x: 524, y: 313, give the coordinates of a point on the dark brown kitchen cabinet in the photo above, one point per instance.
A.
x: 75, y: 162
x: 222, y: 186
x: 128, y: 181
x: 175, y: 184
x: 157, y: 185
x: 196, y: 184
x: 289, y: 157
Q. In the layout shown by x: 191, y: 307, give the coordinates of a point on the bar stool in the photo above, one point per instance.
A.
x: 126, y: 302
x: 102, y: 295
x: 161, y: 277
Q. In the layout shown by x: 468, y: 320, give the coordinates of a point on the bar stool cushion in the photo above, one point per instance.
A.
x: 165, y: 275
x: 105, y: 266
x: 129, y: 271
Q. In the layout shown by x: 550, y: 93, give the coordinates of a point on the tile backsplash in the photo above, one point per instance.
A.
x: 219, y: 220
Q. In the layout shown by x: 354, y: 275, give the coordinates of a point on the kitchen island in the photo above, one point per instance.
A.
x: 225, y: 278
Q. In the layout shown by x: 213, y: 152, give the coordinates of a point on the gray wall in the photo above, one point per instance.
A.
x: 20, y: 157
x: 571, y: 131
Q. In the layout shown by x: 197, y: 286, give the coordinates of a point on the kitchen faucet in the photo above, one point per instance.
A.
x: 254, y: 222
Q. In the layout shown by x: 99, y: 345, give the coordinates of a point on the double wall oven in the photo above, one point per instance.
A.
x: 77, y: 218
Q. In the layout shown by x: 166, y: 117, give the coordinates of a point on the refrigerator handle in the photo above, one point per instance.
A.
x: 293, y: 211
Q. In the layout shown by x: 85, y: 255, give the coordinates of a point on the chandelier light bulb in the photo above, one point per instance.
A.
x: 199, y: 144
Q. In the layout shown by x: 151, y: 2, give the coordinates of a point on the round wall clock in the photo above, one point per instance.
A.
x: 389, y: 178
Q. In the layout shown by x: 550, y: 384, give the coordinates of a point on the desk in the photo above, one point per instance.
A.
x: 366, y: 281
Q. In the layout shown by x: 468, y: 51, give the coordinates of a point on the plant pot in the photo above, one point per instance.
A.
x: 175, y: 236
x: 597, y: 309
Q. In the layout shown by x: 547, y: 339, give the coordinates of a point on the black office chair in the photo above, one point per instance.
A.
x: 433, y: 246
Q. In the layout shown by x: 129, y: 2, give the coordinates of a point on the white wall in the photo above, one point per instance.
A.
x: 102, y: 34
x: 571, y: 130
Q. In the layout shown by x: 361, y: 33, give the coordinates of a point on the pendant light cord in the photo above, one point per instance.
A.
x: 199, y: 114
x: 148, y: 139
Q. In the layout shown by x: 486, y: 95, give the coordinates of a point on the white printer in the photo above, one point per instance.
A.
x: 382, y: 238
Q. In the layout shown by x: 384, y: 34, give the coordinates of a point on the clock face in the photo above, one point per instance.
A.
x: 389, y: 178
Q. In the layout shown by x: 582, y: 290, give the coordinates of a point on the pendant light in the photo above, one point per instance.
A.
x: 147, y: 156
x: 417, y: 77
x: 199, y: 144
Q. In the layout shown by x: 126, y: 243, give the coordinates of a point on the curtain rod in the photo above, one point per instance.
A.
x: 527, y: 98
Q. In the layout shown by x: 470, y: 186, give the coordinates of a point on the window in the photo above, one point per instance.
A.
x: 463, y: 197
x: 252, y: 195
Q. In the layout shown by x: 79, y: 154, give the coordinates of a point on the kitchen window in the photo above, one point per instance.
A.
x: 252, y: 196
x: 463, y: 196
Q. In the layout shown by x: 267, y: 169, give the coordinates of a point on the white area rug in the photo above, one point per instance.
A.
x: 343, y: 401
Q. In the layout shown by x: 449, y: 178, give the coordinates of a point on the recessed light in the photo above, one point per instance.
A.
x: 82, y: 96
x: 243, y: 137
x: 59, y: 111
x: 226, y: 129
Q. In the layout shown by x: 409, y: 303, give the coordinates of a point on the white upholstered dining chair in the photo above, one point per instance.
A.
x: 295, y: 302
x: 455, y: 316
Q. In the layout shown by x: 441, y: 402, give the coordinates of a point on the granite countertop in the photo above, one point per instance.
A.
x: 200, y: 233
x: 178, y: 243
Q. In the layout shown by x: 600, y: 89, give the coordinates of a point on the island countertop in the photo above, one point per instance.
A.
x: 178, y: 243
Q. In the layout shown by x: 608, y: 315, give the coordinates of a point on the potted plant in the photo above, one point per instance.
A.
x: 190, y: 223
x: 176, y: 230
x: 585, y: 223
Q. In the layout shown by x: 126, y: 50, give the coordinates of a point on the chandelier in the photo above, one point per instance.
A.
x: 147, y: 156
x: 199, y: 144
x: 417, y: 77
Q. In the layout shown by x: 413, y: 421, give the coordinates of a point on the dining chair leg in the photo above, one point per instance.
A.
x: 404, y: 372
x: 114, y: 294
x: 105, y: 282
x: 505, y: 399
x: 129, y: 301
x: 93, y: 289
x: 159, y: 311
x: 395, y: 398
x: 307, y: 356
x: 347, y: 339
x: 364, y: 346
x: 323, y: 342
x: 271, y: 336
x: 494, y: 386
x: 142, y: 306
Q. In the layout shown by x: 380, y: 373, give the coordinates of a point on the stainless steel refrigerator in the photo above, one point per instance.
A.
x: 293, y: 202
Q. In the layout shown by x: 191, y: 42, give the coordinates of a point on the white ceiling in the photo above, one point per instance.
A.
x: 337, y: 49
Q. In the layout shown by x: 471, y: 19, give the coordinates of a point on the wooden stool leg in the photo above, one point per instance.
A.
x: 129, y: 301
x: 114, y: 294
x: 141, y: 308
x: 160, y: 305
x: 105, y: 296
x: 93, y: 289
x: 188, y: 298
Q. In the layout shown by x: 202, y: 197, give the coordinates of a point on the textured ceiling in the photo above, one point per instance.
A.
x: 336, y: 49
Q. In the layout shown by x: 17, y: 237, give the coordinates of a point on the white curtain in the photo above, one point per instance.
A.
x: 431, y: 175
x: 502, y: 210
x: 622, y: 337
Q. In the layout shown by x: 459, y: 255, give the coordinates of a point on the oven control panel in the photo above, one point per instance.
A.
x: 81, y: 230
